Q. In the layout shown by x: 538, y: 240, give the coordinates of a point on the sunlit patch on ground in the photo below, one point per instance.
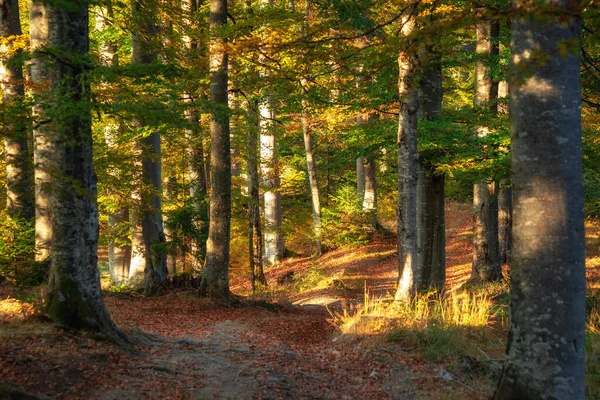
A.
x: 14, y: 308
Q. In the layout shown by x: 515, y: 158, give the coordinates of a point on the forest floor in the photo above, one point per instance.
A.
x: 287, y: 347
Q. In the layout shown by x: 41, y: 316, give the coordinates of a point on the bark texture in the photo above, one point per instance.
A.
x: 431, y: 213
x: 546, y: 346
x: 408, y: 170
x: 360, y: 180
x: 486, y: 256
x: 255, y: 238
x: 505, y: 224
x: 215, y: 279
x: 19, y: 166
x: 311, y: 167
x: 74, y: 298
x: 44, y: 130
x: 269, y: 165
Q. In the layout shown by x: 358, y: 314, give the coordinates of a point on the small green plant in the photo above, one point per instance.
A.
x: 17, y: 250
x: 314, y: 278
x: 344, y: 223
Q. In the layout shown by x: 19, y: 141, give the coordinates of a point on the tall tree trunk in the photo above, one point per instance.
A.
x: 269, y: 165
x: 215, y: 279
x: 486, y: 257
x: 195, y: 152
x: 119, y: 252
x: 431, y: 213
x: 505, y: 224
x: 369, y: 203
x: 198, y: 187
x: 273, y: 236
x: 546, y: 345
x: 255, y: 238
x: 19, y: 167
x: 311, y: 167
x: 74, y: 298
x: 408, y: 170
x: 170, y: 234
x: 44, y: 135
x: 148, y: 269
x: 360, y: 180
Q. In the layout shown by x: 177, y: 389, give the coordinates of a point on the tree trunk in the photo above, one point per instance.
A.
x: 546, y: 345
x: 408, y: 170
x: 74, y: 298
x: 171, y: 235
x: 269, y: 164
x: 486, y: 256
x: 311, y: 167
x: 369, y: 204
x: 198, y: 191
x: 431, y: 213
x: 19, y: 167
x: 119, y: 252
x: 505, y: 224
x: 432, y: 232
x: 44, y: 133
x: 148, y: 270
x: 360, y: 180
x: 255, y: 238
x: 215, y: 278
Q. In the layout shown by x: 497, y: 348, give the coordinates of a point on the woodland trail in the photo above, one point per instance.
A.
x: 196, y: 349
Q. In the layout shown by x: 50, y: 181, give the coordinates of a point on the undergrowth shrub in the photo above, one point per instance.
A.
x: 17, y: 250
x: 344, y: 223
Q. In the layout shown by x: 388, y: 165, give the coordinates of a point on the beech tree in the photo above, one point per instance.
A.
x: 546, y: 345
x: 148, y: 270
x: 74, y: 298
x: 486, y: 255
x: 215, y: 277
x: 19, y: 167
x: 408, y: 167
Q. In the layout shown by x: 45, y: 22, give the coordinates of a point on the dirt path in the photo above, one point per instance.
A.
x: 199, y: 350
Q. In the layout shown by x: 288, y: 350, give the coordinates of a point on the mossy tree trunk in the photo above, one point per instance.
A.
x: 74, y: 298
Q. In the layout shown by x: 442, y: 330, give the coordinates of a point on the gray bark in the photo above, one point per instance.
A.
x: 44, y: 132
x: 360, y: 180
x: 148, y: 269
x: 546, y: 344
x: 255, y: 238
x: 369, y: 204
x: 74, y: 298
x: 170, y: 235
x: 431, y: 212
x: 311, y: 167
x: 408, y: 169
x: 432, y: 230
x: 215, y: 279
x: 269, y: 165
x: 505, y: 224
x: 19, y: 166
x: 486, y: 256
x: 198, y: 190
